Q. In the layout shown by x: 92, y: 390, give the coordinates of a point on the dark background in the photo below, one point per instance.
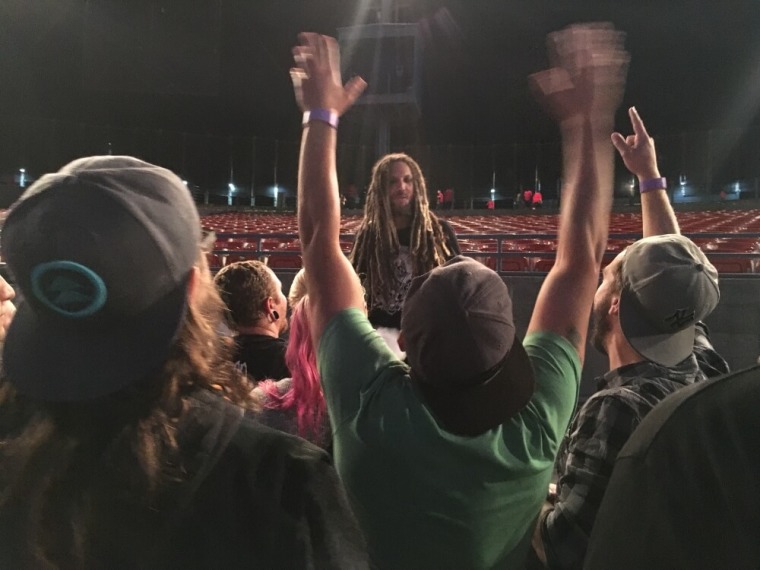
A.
x: 202, y: 85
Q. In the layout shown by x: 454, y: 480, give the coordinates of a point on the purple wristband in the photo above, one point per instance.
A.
x: 653, y: 184
x: 325, y: 115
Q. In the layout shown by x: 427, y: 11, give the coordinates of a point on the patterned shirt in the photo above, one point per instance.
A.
x: 386, y: 311
x: 595, y: 437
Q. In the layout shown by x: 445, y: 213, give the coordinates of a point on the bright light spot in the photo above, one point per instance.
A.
x: 184, y: 182
x: 231, y: 187
x: 493, y: 191
x: 22, y: 170
x: 682, y: 180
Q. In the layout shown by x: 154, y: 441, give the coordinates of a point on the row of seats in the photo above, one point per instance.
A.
x: 273, y: 237
x: 732, y: 221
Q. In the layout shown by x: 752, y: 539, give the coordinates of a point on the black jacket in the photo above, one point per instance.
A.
x: 253, y: 498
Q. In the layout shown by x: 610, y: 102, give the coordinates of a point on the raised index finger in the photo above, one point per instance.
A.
x: 637, y: 123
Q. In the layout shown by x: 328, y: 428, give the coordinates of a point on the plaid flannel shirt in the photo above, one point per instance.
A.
x: 597, y: 434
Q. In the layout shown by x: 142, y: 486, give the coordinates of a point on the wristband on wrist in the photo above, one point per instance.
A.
x: 325, y: 115
x: 653, y: 184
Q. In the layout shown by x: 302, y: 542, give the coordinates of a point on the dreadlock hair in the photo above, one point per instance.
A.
x: 376, y: 245
x: 81, y: 479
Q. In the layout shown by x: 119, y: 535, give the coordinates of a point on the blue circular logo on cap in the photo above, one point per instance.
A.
x: 70, y: 289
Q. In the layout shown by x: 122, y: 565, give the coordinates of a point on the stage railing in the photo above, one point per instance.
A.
x: 508, y: 254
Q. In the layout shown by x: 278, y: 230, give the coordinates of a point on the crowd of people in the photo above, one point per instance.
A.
x: 153, y: 416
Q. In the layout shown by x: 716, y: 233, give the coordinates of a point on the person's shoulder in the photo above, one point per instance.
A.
x: 557, y: 368
x: 351, y: 320
x: 445, y: 224
x: 616, y: 406
x: 258, y: 442
x: 259, y: 341
x: 542, y: 343
x: 730, y: 401
x: 246, y: 438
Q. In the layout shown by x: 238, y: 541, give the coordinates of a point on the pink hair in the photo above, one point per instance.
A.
x: 305, y: 393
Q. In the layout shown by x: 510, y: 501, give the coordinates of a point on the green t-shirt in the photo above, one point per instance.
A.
x: 427, y: 498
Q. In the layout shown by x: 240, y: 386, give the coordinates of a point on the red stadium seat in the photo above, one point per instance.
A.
x: 285, y: 262
x: 732, y: 264
x: 514, y: 264
x: 489, y: 262
x: 233, y: 258
x: 544, y: 264
x: 215, y: 261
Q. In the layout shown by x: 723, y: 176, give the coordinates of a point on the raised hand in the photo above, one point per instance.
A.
x: 316, y: 76
x: 637, y: 150
x: 587, y: 78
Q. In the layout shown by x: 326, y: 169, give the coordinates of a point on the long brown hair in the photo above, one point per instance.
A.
x: 376, y: 244
x: 77, y: 475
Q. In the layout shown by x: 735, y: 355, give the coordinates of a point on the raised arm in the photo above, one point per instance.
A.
x: 582, y: 91
x: 639, y: 156
x: 332, y: 282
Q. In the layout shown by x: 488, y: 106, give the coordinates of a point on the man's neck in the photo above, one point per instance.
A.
x: 402, y: 220
x: 263, y: 329
x: 621, y: 353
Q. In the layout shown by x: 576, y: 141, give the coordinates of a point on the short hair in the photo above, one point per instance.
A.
x: 244, y: 287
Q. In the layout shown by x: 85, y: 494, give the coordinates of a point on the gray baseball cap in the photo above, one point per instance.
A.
x: 668, y: 286
x: 102, y: 251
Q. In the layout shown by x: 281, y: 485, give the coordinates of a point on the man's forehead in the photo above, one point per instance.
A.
x: 400, y: 168
x: 612, y: 267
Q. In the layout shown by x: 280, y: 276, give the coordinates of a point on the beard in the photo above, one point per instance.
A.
x: 600, y: 326
x: 399, y: 210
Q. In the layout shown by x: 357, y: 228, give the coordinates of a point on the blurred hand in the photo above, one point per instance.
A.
x: 637, y: 150
x: 7, y: 308
x: 587, y: 78
x: 316, y: 75
x: 551, y: 495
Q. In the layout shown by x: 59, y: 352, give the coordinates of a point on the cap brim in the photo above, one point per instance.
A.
x: 475, y: 410
x: 52, y: 360
x: 666, y: 349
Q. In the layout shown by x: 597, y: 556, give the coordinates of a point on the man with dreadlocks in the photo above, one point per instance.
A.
x: 399, y: 238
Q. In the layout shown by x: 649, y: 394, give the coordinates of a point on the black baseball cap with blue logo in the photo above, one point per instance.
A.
x: 102, y: 252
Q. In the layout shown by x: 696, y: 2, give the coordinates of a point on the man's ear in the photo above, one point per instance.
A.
x: 615, y: 305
